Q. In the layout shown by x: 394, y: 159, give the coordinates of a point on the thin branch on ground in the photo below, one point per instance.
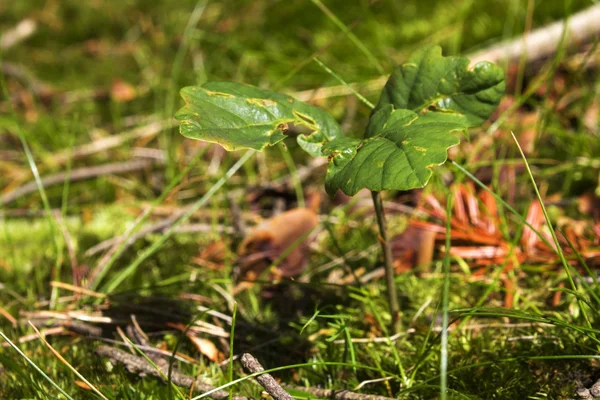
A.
x: 155, y: 228
x: 20, y: 32
x: 544, y: 42
x: 78, y: 174
x: 539, y: 43
x: 337, y: 394
x: 140, y: 366
x: 252, y: 365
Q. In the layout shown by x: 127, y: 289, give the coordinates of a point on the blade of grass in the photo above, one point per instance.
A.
x: 563, y: 260
x: 118, y: 279
x: 386, y: 334
x: 38, y: 369
x: 349, y: 344
x: 64, y: 361
x: 231, y: 336
x: 350, y: 35
x: 590, y: 288
x: 343, y: 82
x: 178, y: 343
x: 34, y: 170
x: 445, y: 301
x: 63, y: 211
x: 293, y: 366
x: 178, y: 61
x: 504, y: 203
x: 302, y: 64
x: 425, y: 384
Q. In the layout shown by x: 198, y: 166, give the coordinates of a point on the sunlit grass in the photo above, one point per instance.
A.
x: 487, y: 351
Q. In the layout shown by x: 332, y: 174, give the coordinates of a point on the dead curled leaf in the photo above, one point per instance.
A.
x: 476, y: 233
x: 212, y: 256
x: 206, y: 348
x: 413, y: 247
x: 286, y: 233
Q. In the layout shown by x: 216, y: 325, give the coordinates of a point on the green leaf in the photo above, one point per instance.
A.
x: 429, y: 80
x: 239, y: 116
x: 424, y: 102
x: 400, y: 157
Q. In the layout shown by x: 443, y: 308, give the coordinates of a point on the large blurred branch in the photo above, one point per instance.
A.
x: 543, y: 42
x: 538, y: 44
x: 22, y: 31
x: 78, y: 174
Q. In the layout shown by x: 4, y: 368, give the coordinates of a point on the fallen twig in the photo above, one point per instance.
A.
x: 538, y: 44
x: 544, y: 41
x: 338, y: 394
x: 77, y: 175
x: 156, y: 227
x: 142, y: 132
x: 26, y: 78
x: 252, y: 365
x: 140, y: 366
x: 22, y: 31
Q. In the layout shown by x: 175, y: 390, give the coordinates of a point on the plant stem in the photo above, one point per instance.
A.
x: 390, y: 274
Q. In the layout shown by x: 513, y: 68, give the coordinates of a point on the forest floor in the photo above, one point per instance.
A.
x: 99, y: 253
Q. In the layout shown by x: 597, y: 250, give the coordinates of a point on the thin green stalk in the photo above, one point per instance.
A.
x: 173, y: 357
x: 523, y: 58
x: 390, y: 274
x: 349, y: 345
x: 110, y: 287
x: 302, y: 64
x: 341, y: 253
x: 445, y: 301
x: 67, y: 185
x: 231, y: 336
x: 51, y: 219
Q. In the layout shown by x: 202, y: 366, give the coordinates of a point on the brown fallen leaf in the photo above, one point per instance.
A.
x: 212, y: 256
x: 206, y: 348
x: 413, y: 247
x: 284, y: 235
x: 122, y: 92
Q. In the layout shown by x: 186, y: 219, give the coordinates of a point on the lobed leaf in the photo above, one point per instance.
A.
x: 430, y: 80
x: 400, y: 157
x: 239, y: 116
x: 424, y: 102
